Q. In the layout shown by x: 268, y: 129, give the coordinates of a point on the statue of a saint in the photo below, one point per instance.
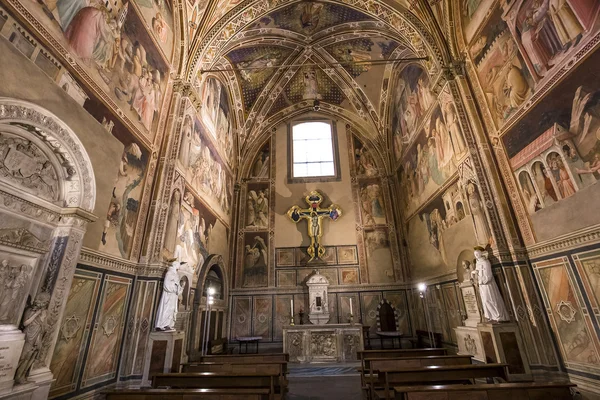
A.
x: 34, y: 320
x: 167, y: 308
x: 494, y: 309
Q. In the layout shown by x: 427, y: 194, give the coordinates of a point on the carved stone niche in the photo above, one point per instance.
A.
x: 47, y: 196
x: 318, y: 299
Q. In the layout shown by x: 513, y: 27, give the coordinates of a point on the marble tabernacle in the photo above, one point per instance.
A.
x: 322, y: 343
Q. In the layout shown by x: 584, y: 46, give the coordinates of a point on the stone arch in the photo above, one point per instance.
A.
x: 386, y: 309
x: 213, y: 262
x: 59, y: 144
x: 48, y: 193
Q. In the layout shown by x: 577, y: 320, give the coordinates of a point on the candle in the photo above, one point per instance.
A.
x: 351, y: 306
x: 292, y: 306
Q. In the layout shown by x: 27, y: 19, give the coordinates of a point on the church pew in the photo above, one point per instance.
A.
x: 393, y: 353
x: 374, y: 365
x: 487, y: 391
x: 189, y: 394
x: 218, y: 380
x: 433, y: 374
x: 279, y: 367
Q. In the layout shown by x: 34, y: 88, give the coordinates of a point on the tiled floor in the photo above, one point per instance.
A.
x: 342, y: 387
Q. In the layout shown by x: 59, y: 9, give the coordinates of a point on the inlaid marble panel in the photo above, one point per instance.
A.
x: 398, y: 301
x: 103, y: 356
x: 241, y: 317
x: 74, y: 331
x: 282, y: 316
x: 369, y: 302
x: 263, y: 313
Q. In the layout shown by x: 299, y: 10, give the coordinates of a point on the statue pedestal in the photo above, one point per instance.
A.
x: 469, y: 343
x: 10, y: 351
x: 502, y: 343
x: 165, y: 355
x: 322, y: 343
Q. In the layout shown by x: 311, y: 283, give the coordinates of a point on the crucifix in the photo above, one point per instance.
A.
x: 314, y: 215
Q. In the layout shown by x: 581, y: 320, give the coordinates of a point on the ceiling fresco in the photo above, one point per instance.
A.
x: 253, y: 68
x: 309, y: 83
x: 308, y: 18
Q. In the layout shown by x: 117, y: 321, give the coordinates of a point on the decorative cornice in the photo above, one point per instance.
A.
x: 582, y: 237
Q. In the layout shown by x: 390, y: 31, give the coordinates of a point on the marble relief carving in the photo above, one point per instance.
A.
x: 323, y: 345
x: 296, y: 347
x: 14, y: 281
x: 27, y: 167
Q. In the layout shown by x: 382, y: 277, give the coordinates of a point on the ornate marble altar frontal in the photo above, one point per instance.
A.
x: 322, y: 343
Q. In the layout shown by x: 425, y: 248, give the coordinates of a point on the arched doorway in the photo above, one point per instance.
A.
x: 212, y: 275
x: 47, y: 195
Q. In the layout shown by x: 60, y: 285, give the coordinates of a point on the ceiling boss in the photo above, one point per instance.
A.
x: 314, y: 215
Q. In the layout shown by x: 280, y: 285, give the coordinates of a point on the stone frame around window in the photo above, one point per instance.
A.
x: 336, y: 177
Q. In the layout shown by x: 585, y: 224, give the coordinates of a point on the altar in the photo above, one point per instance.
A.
x: 322, y: 343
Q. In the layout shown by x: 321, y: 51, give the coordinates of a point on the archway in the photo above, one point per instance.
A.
x: 213, y: 274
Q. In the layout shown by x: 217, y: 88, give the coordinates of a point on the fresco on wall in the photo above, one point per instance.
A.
x: 123, y: 211
x: 159, y: 16
x: 503, y: 75
x: 204, y: 169
x: 262, y: 164
x: 554, y: 153
x: 364, y: 163
x: 111, y: 43
x: 473, y: 12
x: 255, y: 261
x: 253, y: 68
x: 68, y: 354
x: 566, y: 316
x: 103, y: 354
x: 372, y: 207
x: 216, y: 115
x: 410, y: 103
x: 361, y: 50
x: 451, y: 223
x: 428, y: 164
x: 195, y: 12
x: 549, y: 29
x: 379, y: 256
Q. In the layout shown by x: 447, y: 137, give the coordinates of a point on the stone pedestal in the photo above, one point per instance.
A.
x: 322, y: 343
x: 165, y: 355
x: 11, y: 345
x: 469, y: 342
x: 502, y: 343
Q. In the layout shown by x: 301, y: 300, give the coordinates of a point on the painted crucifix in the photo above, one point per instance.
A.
x: 314, y: 215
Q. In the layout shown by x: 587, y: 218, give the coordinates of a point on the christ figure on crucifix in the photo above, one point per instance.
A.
x: 314, y: 215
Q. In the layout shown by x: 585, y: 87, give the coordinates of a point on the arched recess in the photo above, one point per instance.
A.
x: 213, y: 265
x: 47, y: 195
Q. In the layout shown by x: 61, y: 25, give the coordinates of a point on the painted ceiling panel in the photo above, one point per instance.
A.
x: 310, y: 17
x: 253, y: 68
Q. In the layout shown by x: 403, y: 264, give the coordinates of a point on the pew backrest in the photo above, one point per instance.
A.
x: 246, y: 358
x: 512, y: 391
x: 186, y: 394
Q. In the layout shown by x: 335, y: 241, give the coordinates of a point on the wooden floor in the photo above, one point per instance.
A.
x: 346, y: 387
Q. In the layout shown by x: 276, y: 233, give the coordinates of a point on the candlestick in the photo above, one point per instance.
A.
x: 292, y: 311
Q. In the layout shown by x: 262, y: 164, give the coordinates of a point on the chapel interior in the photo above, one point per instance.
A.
x: 299, y: 199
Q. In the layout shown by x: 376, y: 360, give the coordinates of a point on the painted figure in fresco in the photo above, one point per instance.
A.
x: 561, y: 176
x: 172, y: 222
x: 309, y: 18
x: 258, y: 209
x: 539, y: 36
x: 482, y: 229
x: 255, y: 264
x: 494, y: 309
x: 364, y: 162
x: 456, y: 135
x: 166, y: 313
x: 568, y: 27
x: 160, y: 27
x: 580, y: 169
x: 34, y: 324
x: 311, y: 85
x: 261, y: 166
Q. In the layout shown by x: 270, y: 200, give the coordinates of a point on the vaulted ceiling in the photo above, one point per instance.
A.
x: 264, y: 50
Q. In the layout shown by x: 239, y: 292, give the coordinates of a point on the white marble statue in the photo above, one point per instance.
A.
x: 167, y: 308
x: 494, y: 309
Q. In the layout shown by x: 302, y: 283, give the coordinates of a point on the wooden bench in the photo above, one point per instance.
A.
x: 374, y: 365
x: 219, y: 346
x: 398, y: 353
x: 279, y: 367
x: 246, y: 358
x: 189, y: 394
x: 219, y: 380
x: 431, y: 374
x: 512, y: 391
